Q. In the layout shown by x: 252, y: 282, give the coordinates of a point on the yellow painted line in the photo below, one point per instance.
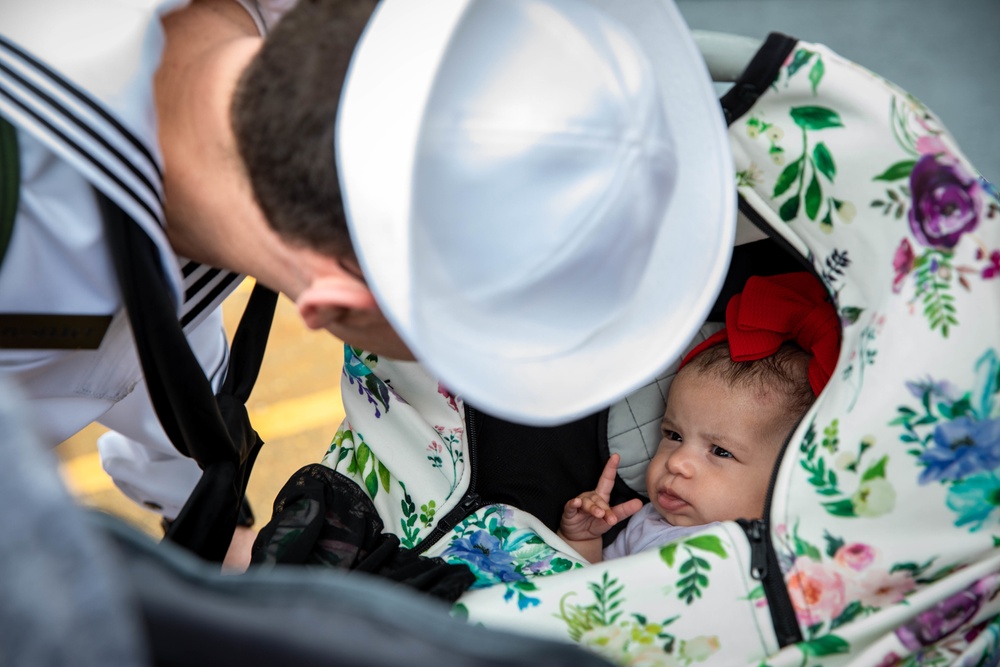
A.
x: 84, y: 475
x: 294, y: 416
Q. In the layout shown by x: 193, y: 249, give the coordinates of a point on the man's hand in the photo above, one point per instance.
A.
x: 237, y: 559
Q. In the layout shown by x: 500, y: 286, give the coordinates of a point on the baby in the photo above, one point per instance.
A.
x: 724, y: 425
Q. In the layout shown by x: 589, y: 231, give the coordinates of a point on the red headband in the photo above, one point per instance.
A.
x: 776, y: 309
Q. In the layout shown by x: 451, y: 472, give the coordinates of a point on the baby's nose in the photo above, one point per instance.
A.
x: 680, y: 462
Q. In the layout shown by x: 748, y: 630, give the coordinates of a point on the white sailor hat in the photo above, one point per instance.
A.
x: 540, y: 193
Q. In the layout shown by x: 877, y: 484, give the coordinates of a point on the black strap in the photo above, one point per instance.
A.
x: 10, y: 183
x: 213, y: 430
x: 758, y: 76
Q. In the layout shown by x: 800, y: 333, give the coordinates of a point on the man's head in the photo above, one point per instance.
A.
x: 723, y: 427
x: 515, y: 175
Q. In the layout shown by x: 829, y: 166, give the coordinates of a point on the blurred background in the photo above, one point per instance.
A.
x: 945, y: 52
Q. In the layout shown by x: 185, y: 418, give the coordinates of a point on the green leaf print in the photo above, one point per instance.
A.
x: 826, y: 645
x: 814, y: 197
x: 932, y: 290
x: 694, y: 580
x: 788, y: 176
x: 371, y: 483
x: 876, y: 471
x: 561, y: 564
x: 693, y: 568
x: 897, y: 172
x: 789, y: 209
x: 816, y: 74
x: 850, y: 314
x: 407, y: 524
x: 668, y: 553
x: 850, y: 612
x: 606, y: 595
x: 824, y: 161
x: 815, y: 118
x: 800, y: 58
x: 803, y: 57
x: 361, y: 454
x: 843, y: 508
x: 803, y: 548
x: 710, y: 543
x: 384, y: 476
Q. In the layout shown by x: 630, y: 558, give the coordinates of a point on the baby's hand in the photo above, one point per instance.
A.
x: 590, y: 514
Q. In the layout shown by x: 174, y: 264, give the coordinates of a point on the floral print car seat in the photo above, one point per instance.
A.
x: 881, y: 541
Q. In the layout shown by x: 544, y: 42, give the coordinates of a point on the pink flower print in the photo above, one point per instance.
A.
x: 448, y: 396
x: 856, y: 556
x: 817, y: 592
x: 435, y: 447
x: 932, y: 145
x: 880, y: 588
x: 902, y: 262
x: 993, y: 270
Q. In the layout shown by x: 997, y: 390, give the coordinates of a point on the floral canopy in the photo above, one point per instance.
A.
x: 882, y: 541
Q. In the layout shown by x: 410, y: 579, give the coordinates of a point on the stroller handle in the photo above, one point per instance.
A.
x: 725, y: 54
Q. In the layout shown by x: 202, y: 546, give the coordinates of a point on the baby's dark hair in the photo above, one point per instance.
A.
x: 785, y: 371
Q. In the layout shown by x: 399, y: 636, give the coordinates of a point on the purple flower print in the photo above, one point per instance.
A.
x: 942, y: 390
x: 961, y: 447
x: 947, y: 616
x: 939, y: 621
x: 945, y: 202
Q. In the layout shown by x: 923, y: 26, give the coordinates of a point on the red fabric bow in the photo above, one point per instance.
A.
x: 776, y: 309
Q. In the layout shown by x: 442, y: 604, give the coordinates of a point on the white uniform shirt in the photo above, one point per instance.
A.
x: 58, y: 261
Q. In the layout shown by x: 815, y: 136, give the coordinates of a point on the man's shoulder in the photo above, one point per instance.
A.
x: 108, y: 50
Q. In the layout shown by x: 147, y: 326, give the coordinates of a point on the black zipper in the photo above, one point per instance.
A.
x: 765, y: 568
x: 764, y: 565
x: 470, y: 501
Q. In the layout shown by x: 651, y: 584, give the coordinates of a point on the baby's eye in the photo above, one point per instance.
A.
x: 720, y: 452
x: 672, y: 435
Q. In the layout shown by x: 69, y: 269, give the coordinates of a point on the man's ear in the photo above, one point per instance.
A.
x: 331, y: 298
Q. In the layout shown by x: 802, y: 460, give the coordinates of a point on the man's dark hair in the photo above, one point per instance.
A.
x: 283, y: 116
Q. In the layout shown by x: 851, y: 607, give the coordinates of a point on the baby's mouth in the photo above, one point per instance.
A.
x: 670, y: 501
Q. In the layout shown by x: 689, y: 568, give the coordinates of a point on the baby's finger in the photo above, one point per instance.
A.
x: 596, y: 506
x: 627, y: 509
x: 572, y: 507
x: 607, y: 480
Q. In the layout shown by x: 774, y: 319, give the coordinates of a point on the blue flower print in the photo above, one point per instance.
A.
x: 962, y: 447
x: 975, y: 499
x: 485, y: 554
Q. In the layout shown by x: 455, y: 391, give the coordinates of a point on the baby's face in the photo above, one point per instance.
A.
x: 718, y: 448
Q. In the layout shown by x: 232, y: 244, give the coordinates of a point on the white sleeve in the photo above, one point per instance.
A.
x: 137, y: 453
